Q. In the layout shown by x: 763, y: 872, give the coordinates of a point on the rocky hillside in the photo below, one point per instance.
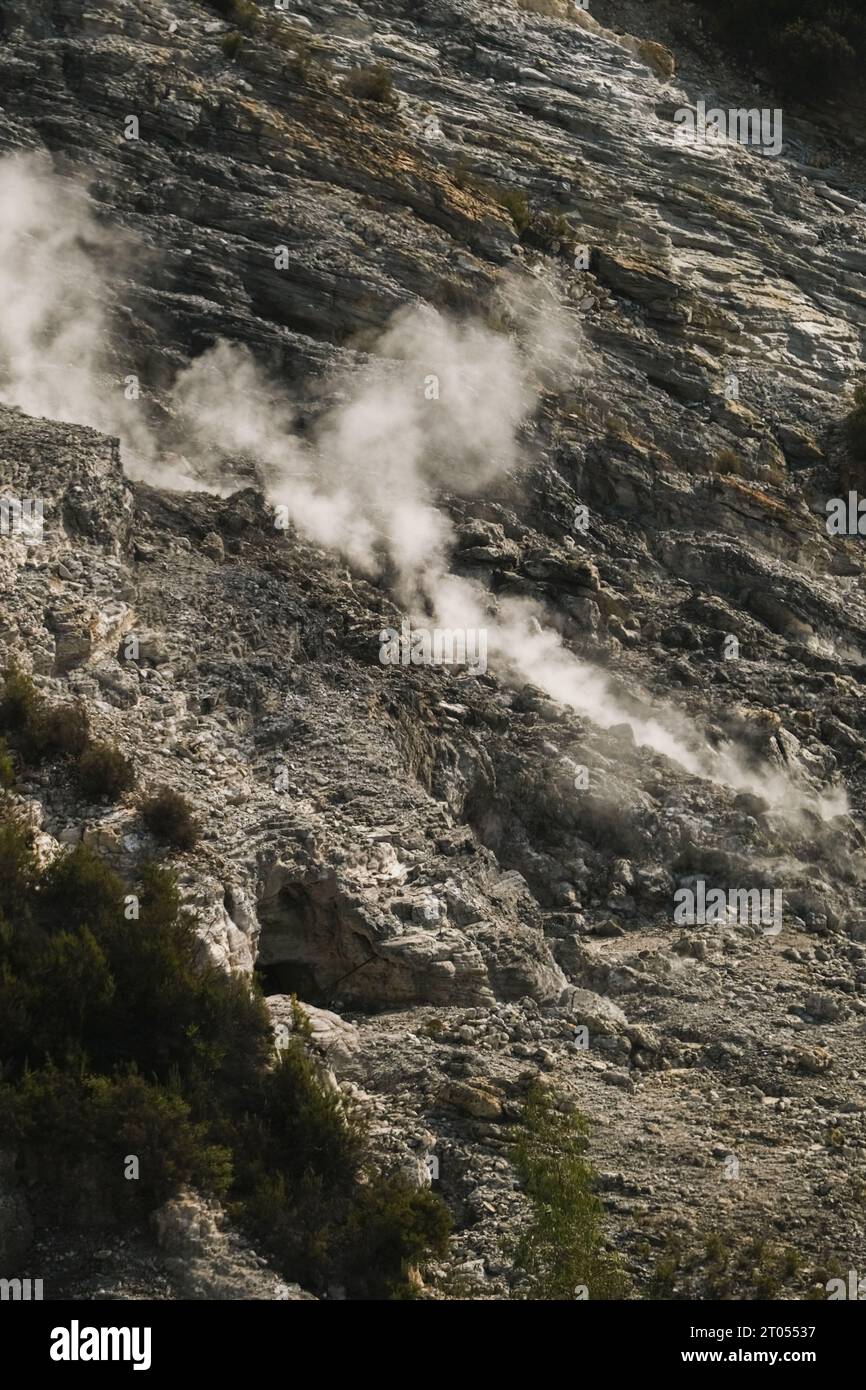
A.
x: 467, y: 878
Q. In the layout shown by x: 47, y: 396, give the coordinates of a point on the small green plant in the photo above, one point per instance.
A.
x: 727, y: 461
x: 103, y: 771
x: 64, y: 730
x: 301, y: 1026
x: 7, y: 766
x: 232, y: 43
x: 372, y: 83
x: 33, y: 728
x: 716, y: 1249
x: 302, y: 51
x: 537, y: 226
x: 246, y: 15
x: 515, y: 203
x: 662, y: 1283
x: 721, y: 1266
x: 169, y: 816
x: 548, y: 230
x: 563, y: 1249
x: 20, y: 703
x: 617, y: 426
x: 243, y: 14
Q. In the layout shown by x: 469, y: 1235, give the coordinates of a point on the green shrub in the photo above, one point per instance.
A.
x: 79, y: 890
x: 18, y: 867
x: 243, y: 14
x: 7, y: 766
x: 169, y: 816
x: 246, y: 15
x: 64, y: 730
x: 515, y: 203
x: 563, y: 1247
x: 103, y: 771
x: 20, y: 703
x: 720, y: 1265
x: 303, y: 1155
x: 537, y: 226
x: 232, y: 44
x: 36, y: 730
x: 391, y: 1229
x: 852, y: 465
x: 297, y: 1104
x: 810, y: 49
x: 78, y: 1131
x: 155, y: 1124
x: 116, y: 1041
x: 808, y: 54
x: 300, y: 1157
x: 727, y: 461
x: 296, y: 43
x: 371, y: 84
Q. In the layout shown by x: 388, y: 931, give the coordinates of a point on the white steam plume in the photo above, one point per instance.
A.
x: 441, y: 405
x: 366, y: 486
x: 53, y: 326
x: 527, y: 651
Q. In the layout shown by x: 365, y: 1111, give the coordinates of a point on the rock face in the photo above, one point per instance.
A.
x: 470, y: 881
x: 332, y: 1036
x: 208, y: 1262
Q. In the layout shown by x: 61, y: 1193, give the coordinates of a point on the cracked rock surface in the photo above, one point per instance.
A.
x: 407, y: 850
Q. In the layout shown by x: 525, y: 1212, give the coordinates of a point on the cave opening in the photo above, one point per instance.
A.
x: 291, y: 977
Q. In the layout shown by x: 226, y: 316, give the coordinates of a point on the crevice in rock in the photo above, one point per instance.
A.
x: 314, y: 943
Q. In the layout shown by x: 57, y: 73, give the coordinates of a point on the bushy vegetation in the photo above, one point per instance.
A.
x: 232, y: 43
x: 65, y: 731
x: 563, y: 1249
x: 7, y: 766
x: 243, y: 14
x: 717, y: 1266
x: 36, y: 730
x: 90, y: 1126
x: 252, y: 20
x: 372, y: 83
x: 728, y: 461
x: 103, y: 771
x: 542, y: 227
x: 20, y: 703
x: 810, y: 48
x: 515, y: 202
x: 169, y: 816
x: 391, y: 1228
x: 116, y: 1043
x: 33, y: 732
x: 852, y: 462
